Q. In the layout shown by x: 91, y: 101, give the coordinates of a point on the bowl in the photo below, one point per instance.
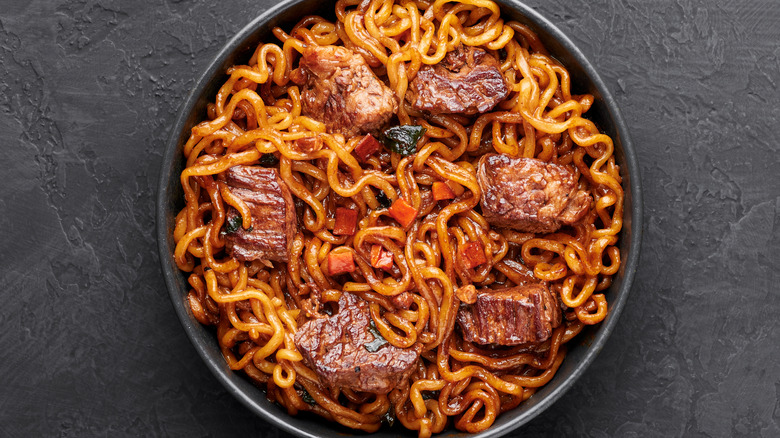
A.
x: 582, y: 350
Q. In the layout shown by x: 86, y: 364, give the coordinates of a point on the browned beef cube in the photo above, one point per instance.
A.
x: 274, y: 222
x: 529, y: 195
x: 342, y: 91
x: 511, y: 316
x: 467, y: 81
x: 345, y: 354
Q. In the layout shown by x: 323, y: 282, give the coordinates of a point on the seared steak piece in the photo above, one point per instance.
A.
x: 467, y: 81
x: 529, y: 195
x: 346, y: 354
x: 511, y: 316
x: 342, y: 91
x: 273, y: 214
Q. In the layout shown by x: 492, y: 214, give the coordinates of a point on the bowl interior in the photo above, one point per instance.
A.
x: 582, y: 350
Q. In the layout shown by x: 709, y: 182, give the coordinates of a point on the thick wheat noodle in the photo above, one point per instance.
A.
x: 257, y: 307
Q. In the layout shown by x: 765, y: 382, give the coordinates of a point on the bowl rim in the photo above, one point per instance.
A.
x: 220, y: 369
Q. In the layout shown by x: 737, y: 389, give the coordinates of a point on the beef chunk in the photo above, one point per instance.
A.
x: 467, y: 81
x: 345, y: 354
x: 341, y: 91
x: 529, y: 195
x: 511, y: 316
x: 273, y: 214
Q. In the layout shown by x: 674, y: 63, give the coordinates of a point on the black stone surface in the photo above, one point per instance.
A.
x: 90, y: 344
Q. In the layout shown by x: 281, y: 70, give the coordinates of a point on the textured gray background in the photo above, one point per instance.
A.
x: 90, y: 343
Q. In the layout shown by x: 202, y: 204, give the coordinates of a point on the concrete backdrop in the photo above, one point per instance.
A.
x: 90, y: 343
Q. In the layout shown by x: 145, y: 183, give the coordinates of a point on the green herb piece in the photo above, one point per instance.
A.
x: 305, y: 396
x: 384, y: 201
x: 402, y: 139
x: 378, y: 342
x: 233, y: 224
x: 389, y: 417
x: 268, y: 160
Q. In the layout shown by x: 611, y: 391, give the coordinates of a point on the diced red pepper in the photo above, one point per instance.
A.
x: 473, y: 255
x: 340, y: 262
x: 402, y: 212
x: 346, y: 221
x: 381, y: 258
x: 367, y: 146
x: 442, y: 191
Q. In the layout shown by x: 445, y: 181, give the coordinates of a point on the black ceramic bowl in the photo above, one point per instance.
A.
x: 582, y: 350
